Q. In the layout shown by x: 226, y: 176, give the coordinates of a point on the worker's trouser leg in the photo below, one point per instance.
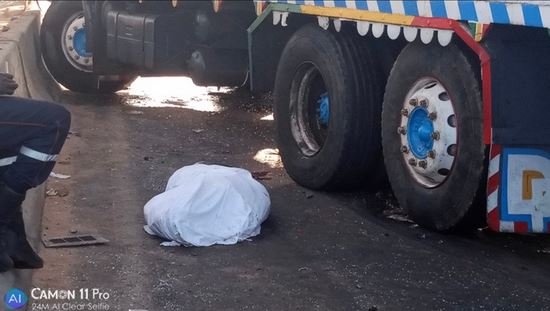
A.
x: 32, y: 134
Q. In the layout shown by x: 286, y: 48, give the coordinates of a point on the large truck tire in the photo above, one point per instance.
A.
x: 63, y: 44
x: 432, y: 136
x: 327, y: 105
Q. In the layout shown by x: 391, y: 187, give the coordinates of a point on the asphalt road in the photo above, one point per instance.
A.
x: 317, y: 251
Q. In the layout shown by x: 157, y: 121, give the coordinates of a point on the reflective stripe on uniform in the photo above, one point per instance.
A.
x: 7, y: 161
x: 37, y: 155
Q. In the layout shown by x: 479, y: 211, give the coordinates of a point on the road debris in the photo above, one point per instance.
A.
x: 72, y: 133
x: 57, y: 193
x: 400, y: 218
x: 198, y: 131
x: 170, y: 244
x: 59, y: 176
x: 261, y: 175
x: 270, y: 157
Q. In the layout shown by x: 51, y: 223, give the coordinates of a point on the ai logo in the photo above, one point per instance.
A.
x: 15, y: 299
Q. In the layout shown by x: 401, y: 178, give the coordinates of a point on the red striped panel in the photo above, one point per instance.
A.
x: 495, y: 151
x: 493, y: 182
x: 521, y: 227
x: 493, y: 220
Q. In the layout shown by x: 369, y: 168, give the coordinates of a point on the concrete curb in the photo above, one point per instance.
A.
x: 20, y: 56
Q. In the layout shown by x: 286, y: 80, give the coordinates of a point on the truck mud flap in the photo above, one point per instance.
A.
x: 520, y: 85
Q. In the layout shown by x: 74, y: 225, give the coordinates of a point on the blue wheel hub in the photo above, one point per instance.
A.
x: 323, y: 110
x: 79, y: 43
x: 419, y: 133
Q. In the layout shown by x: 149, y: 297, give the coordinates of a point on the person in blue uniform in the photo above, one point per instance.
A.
x: 32, y: 134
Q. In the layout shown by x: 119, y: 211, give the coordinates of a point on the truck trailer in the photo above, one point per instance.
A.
x: 447, y: 100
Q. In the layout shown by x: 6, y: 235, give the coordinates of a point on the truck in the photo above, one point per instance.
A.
x: 448, y: 101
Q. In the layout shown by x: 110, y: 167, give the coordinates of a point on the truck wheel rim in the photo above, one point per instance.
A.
x: 73, y: 43
x: 309, y: 109
x: 428, y: 131
x: 323, y: 110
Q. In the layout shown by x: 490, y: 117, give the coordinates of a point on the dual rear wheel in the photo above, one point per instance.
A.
x: 335, y: 120
x: 324, y: 82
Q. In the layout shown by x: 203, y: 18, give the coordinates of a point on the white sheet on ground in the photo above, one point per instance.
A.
x: 205, y: 205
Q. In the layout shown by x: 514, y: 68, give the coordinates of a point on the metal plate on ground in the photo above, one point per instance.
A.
x: 74, y: 241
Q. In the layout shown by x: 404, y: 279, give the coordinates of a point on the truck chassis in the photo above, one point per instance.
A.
x: 446, y: 100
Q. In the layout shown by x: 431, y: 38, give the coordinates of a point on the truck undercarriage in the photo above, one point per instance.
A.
x: 128, y: 38
x: 423, y: 94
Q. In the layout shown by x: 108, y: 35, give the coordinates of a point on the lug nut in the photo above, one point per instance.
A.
x: 77, y: 57
x: 436, y: 135
x: 451, y: 120
x: 413, y: 102
x: 404, y: 112
x: 451, y: 150
x: 423, y: 164
x: 424, y: 103
x: 404, y: 149
x: 432, y: 115
x: 86, y: 60
x: 69, y: 37
x: 71, y: 48
x: 412, y: 162
x: 401, y: 130
x: 431, y: 154
x: 75, y: 28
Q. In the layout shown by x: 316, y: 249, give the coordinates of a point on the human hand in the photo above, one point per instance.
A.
x: 7, y: 84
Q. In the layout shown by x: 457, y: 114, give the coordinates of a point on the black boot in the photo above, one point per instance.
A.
x: 7, y: 240
x: 12, y: 231
x: 9, y: 201
x: 24, y: 257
